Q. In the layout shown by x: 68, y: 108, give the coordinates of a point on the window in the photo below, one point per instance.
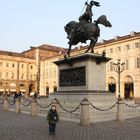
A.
x: 7, y: 64
x: 31, y: 76
x: 137, y: 45
x: 127, y: 47
x: 12, y: 77
x: 137, y: 63
x: 35, y: 76
x: 111, y: 50
x: 118, y: 49
x: 22, y: 66
x: 6, y: 74
x: 111, y: 66
x: 0, y: 83
x: 13, y: 65
x: 126, y: 64
x: 31, y: 67
x: 22, y: 76
x: 1, y: 63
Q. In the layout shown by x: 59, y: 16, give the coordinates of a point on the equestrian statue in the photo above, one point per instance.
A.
x: 85, y: 29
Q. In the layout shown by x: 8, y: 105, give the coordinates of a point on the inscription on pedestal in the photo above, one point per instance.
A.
x: 72, y: 77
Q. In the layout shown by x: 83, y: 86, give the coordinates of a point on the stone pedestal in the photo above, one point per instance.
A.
x: 82, y: 72
x: 83, y: 76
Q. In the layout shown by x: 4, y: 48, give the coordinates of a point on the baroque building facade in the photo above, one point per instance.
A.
x: 124, y: 48
x: 16, y: 71
x: 22, y: 70
x: 127, y: 50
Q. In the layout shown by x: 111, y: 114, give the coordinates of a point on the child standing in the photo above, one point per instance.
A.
x: 52, y: 118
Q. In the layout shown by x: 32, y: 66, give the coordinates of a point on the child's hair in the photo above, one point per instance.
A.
x: 53, y: 106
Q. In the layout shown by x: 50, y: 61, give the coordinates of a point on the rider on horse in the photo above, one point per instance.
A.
x: 85, y: 29
x: 85, y: 18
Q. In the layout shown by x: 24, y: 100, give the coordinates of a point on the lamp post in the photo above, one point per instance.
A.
x: 119, y: 68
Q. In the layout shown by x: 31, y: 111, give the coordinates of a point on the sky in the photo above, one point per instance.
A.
x: 25, y: 23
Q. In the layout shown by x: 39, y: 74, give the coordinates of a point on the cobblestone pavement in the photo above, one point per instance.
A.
x: 25, y: 127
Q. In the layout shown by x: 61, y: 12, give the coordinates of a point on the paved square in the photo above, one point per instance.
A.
x: 25, y: 127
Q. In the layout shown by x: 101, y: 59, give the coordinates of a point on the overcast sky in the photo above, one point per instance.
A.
x: 25, y: 23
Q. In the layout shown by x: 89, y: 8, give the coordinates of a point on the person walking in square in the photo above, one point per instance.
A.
x: 52, y: 118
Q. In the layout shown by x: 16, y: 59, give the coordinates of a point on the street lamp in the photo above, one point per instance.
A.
x: 119, y: 68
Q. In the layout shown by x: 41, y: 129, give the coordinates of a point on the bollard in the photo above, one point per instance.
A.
x: 120, y: 110
x: 85, y: 115
x: 34, y: 108
x: 17, y: 107
x: 5, y: 104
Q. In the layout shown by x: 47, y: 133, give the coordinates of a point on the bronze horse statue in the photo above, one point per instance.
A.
x: 83, y: 31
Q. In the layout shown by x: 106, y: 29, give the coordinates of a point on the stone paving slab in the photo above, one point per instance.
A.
x: 25, y: 127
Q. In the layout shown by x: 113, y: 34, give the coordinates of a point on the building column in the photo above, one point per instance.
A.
x: 136, y: 89
x: 37, y: 70
x: 27, y: 78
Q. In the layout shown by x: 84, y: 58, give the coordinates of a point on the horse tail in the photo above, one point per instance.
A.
x: 103, y: 20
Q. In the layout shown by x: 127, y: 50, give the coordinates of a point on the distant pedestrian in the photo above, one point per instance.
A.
x: 18, y: 94
x: 36, y: 95
x: 8, y: 93
x: 52, y: 118
x: 5, y: 93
